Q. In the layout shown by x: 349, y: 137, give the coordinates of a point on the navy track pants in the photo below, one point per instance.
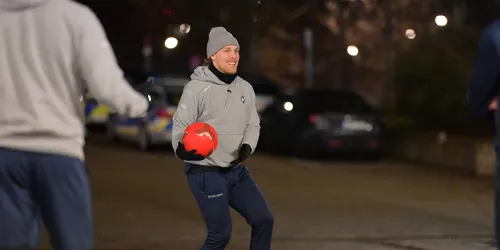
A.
x: 216, y: 192
x: 48, y: 188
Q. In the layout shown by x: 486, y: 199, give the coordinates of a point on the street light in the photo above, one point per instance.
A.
x: 352, y: 50
x: 185, y: 28
x: 288, y: 106
x: 410, y: 34
x: 441, y: 20
x: 171, y: 42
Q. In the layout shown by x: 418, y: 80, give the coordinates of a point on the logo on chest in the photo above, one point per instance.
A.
x: 242, y: 99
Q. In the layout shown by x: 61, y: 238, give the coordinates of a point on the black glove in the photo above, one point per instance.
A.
x: 187, y: 155
x: 243, y: 154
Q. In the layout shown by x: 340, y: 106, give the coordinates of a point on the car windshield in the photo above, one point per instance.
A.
x: 335, y: 102
x: 173, y: 98
x: 135, y: 77
x: 265, y: 89
x: 173, y: 94
x: 261, y: 85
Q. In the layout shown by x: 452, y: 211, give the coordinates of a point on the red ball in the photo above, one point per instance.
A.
x: 201, y: 137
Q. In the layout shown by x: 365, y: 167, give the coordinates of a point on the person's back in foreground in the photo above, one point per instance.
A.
x: 217, y: 96
x: 50, y: 51
x: 482, y: 96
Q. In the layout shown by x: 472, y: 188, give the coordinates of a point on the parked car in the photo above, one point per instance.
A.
x: 315, y: 122
x: 171, y: 79
x: 97, y: 113
x: 265, y: 90
x: 155, y: 128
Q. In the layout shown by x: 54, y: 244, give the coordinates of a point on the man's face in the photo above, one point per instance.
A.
x: 226, y: 60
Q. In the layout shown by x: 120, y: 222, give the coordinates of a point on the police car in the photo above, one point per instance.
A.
x: 164, y: 93
x: 96, y: 113
x: 155, y: 128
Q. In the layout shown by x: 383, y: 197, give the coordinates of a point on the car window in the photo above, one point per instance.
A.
x: 261, y: 85
x: 154, y: 97
x: 173, y: 98
x: 141, y: 88
x: 173, y: 94
x: 265, y: 89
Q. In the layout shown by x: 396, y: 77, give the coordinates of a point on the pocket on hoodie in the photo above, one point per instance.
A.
x: 242, y: 116
x: 227, y: 149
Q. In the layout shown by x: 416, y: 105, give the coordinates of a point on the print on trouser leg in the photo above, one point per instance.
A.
x: 19, y: 227
x: 210, y: 192
x: 247, y: 199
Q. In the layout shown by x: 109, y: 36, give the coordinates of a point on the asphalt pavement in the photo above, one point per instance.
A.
x: 142, y: 201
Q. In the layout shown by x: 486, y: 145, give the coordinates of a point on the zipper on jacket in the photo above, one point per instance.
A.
x: 227, y: 97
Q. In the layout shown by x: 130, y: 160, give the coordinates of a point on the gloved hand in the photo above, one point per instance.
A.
x: 187, y: 155
x: 243, y: 154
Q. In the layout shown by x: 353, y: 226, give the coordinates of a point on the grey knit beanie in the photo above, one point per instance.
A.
x: 217, y: 39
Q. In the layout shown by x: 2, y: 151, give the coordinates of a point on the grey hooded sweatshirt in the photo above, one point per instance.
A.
x: 229, y: 108
x: 49, y: 51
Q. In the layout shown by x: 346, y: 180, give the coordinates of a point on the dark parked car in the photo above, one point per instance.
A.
x: 265, y: 89
x: 315, y: 122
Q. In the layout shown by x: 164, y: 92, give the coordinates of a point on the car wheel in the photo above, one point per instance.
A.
x: 143, y: 139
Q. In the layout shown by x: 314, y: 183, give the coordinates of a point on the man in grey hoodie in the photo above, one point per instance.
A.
x: 217, y: 96
x: 48, y: 49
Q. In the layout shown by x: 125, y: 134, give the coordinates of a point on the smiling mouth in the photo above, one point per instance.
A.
x: 231, y: 63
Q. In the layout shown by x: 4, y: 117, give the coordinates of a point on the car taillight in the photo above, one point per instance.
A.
x: 313, y: 118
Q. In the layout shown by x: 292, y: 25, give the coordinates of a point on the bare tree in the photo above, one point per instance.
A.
x: 378, y: 29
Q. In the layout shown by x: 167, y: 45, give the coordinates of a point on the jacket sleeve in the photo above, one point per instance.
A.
x: 483, y: 83
x: 252, y: 131
x: 185, y: 115
x: 97, y: 64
